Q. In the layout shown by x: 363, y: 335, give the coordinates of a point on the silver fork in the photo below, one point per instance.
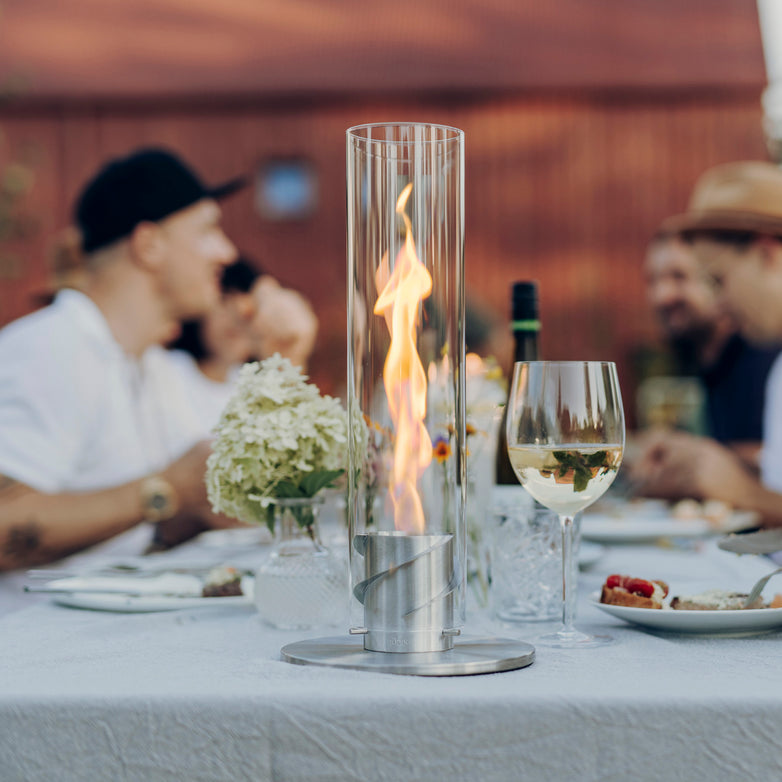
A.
x: 754, y: 593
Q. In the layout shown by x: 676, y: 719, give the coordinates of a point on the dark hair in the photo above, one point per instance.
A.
x: 238, y: 277
x: 739, y: 240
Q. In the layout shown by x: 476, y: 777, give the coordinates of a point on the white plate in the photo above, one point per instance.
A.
x: 150, y: 594
x: 609, y: 529
x: 746, y: 622
x: 589, y: 554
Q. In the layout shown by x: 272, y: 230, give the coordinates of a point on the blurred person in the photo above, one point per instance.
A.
x: 734, y: 227
x: 705, y: 343
x: 93, y: 436
x: 255, y: 318
x: 284, y: 323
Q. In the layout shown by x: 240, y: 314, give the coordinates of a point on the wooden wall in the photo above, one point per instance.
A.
x: 563, y: 189
x: 586, y: 124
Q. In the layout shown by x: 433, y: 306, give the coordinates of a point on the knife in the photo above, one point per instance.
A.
x: 109, y: 591
x: 124, y: 571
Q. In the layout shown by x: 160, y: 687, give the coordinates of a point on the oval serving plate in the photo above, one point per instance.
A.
x: 741, y: 622
x: 608, y: 529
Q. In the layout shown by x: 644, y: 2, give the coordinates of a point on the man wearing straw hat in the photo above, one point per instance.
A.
x: 92, y: 433
x: 734, y: 226
x: 706, y: 348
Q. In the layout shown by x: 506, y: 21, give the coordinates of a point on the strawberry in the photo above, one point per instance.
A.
x: 639, y: 586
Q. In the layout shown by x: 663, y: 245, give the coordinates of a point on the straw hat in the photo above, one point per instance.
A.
x: 744, y: 196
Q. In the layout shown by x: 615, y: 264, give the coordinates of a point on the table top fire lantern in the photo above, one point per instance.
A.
x: 406, y: 383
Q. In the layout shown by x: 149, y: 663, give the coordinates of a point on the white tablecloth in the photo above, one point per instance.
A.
x: 202, y: 695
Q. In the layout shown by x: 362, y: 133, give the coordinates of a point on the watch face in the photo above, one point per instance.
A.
x: 159, y: 499
x: 158, y: 502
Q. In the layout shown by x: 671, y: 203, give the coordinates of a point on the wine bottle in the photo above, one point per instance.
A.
x: 525, y: 326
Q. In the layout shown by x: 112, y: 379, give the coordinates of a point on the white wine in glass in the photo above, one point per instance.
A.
x: 566, y: 434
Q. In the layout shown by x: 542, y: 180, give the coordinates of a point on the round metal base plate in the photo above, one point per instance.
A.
x: 470, y: 655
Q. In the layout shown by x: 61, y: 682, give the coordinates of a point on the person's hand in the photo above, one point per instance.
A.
x: 194, y: 513
x: 719, y: 474
x: 284, y: 322
x: 186, y: 475
x: 675, y: 465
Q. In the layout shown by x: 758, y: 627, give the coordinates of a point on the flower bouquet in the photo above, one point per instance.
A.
x: 277, y: 439
x: 278, y: 444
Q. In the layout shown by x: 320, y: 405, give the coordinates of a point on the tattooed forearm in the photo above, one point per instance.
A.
x: 23, y: 547
x: 23, y: 542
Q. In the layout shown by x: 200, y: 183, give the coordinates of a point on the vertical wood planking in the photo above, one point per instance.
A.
x: 565, y: 189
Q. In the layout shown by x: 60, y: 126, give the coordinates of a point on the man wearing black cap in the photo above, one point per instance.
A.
x: 93, y: 436
x: 734, y: 228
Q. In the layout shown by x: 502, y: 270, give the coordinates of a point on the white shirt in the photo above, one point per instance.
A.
x: 79, y: 414
x: 207, y: 397
x: 771, y: 455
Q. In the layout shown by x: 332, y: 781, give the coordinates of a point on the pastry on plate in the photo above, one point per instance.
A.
x: 223, y: 582
x: 633, y: 592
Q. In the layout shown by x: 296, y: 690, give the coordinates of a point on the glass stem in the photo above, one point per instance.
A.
x: 568, y: 604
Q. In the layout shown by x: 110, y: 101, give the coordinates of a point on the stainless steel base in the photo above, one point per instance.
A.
x: 470, y: 655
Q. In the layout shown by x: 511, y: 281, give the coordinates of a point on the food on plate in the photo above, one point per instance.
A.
x: 633, y: 592
x: 223, y: 581
x: 716, y: 512
x: 686, y: 509
x: 714, y: 600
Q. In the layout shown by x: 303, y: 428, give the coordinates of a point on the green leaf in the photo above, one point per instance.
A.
x: 596, y: 459
x: 305, y: 518
x: 270, y: 518
x: 313, y: 482
x: 581, y: 478
x: 288, y: 490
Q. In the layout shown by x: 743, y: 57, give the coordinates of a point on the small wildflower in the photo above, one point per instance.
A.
x: 441, y: 450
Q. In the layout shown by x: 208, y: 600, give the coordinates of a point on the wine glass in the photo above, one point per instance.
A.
x: 566, y: 435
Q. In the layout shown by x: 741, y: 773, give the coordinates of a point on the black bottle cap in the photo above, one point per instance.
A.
x: 525, y: 300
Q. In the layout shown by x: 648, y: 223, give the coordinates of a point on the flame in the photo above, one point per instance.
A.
x: 404, y: 378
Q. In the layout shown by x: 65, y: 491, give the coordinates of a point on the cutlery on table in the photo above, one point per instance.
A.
x: 107, y: 591
x: 127, y: 570
x: 754, y: 593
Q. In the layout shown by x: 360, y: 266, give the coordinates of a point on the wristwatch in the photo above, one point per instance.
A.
x: 158, y: 499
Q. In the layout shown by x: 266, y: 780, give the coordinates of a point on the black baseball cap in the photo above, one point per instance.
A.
x: 147, y: 185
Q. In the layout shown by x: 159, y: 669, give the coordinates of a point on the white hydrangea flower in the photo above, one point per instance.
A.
x: 277, y: 437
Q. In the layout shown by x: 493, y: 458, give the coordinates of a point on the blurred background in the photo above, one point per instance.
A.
x: 586, y: 124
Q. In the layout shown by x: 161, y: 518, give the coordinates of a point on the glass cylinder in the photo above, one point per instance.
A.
x: 407, y: 487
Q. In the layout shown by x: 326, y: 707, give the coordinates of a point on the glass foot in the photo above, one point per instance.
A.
x: 572, y: 639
